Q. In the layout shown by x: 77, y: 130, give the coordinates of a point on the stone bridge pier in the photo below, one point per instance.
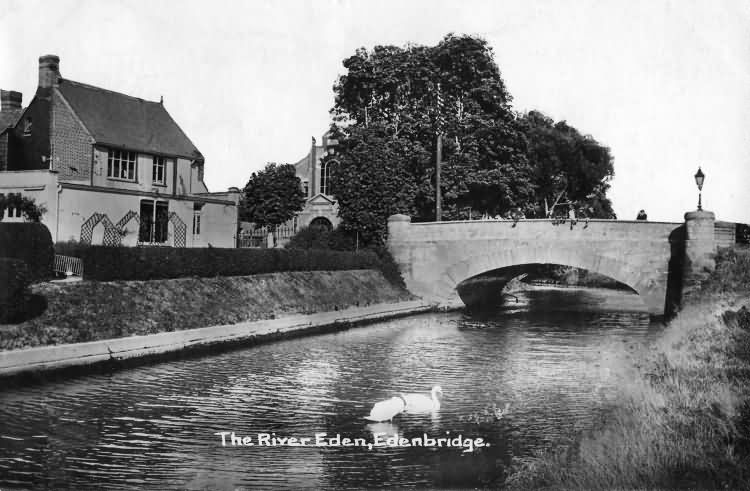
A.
x: 655, y: 259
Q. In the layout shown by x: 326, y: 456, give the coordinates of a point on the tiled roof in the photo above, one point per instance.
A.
x: 9, y: 118
x: 123, y: 121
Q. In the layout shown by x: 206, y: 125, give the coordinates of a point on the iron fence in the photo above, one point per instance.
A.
x: 68, y: 265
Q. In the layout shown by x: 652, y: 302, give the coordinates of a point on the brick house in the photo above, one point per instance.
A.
x: 109, y: 168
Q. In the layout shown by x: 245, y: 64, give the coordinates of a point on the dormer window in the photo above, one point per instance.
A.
x: 27, y: 127
x: 121, y: 165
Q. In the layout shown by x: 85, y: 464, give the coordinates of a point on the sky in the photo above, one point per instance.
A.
x: 664, y: 84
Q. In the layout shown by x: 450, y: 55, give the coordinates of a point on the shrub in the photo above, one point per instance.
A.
x: 318, y: 238
x: 732, y: 271
x: 147, y: 263
x: 31, y: 243
x: 15, y: 278
x: 309, y: 238
x: 742, y: 233
x: 389, y: 268
x: 28, y: 207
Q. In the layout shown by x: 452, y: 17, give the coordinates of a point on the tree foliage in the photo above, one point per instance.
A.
x: 272, y: 196
x: 393, y: 101
x: 28, y: 207
x: 568, y: 167
x: 387, y: 114
x: 376, y: 175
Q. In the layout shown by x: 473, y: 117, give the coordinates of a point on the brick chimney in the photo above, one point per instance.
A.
x: 49, y: 71
x: 10, y: 100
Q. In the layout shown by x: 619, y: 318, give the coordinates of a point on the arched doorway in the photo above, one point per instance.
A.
x: 321, y: 223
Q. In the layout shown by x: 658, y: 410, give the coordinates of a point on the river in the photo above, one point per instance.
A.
x: 557, y: 356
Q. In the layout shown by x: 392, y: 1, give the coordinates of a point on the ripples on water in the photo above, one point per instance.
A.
x: 153, y: 427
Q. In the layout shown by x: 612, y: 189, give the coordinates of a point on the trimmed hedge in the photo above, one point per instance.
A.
x: 15, y: 279
x: 342, y: 240
x: 150, y: 263
x: 31, y: 243
x: 71, y: 248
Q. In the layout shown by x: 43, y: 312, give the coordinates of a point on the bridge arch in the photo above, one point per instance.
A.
x: 652, y: 292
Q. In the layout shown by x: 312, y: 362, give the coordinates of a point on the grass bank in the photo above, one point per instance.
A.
x: 684, y: 419
x: 90, y: 310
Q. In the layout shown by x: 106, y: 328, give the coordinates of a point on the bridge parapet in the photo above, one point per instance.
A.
x: 401, y: 229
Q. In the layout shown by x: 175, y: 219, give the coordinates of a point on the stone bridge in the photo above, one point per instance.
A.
x: 655, y: 259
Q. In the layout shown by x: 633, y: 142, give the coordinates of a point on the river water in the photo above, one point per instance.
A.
x: 555, y: 355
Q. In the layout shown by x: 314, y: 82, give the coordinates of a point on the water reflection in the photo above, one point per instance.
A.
x: 154, y: 427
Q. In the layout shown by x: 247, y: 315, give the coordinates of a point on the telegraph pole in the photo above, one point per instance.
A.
x: 438, y: 155
x: 438, y: 207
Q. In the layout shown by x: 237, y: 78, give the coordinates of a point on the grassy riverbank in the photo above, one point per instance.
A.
x: 684, y: 419
x: 91, y: 310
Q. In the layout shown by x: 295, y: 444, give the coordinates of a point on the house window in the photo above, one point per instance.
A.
x: 154, y: 226
x: 326, y: 168
x: 306, y: 188
x: 121, y: 165
x: 197, y: 207
x: 159, y: 173
x: 324, y: 177
x: 27, y: 127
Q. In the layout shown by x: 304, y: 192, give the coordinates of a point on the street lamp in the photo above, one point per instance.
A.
x: 699, y: 181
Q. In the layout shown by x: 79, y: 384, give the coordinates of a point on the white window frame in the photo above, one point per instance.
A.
x: 324, y: 177
x: 197, y: 212
x: 159, y: 163
x: 122, y: 162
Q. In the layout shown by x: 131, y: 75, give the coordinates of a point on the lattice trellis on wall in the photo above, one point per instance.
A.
x: 112, y: 236
x: 180, y: 230
x: 125, y: 220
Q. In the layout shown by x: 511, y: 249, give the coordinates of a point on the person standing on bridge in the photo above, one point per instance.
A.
x: 572, y: 215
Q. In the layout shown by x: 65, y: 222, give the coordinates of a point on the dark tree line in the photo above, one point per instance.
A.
x: 391, y: 102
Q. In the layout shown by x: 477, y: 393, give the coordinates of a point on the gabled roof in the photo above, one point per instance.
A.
x: 120, y: 120
x: 321, y: 198
x: 9, y: 118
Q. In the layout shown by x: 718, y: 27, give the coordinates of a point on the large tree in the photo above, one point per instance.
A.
x: 19, y: 203
x: 568, y: 167
x: 374, y: 175
x: 393, y: 101
x: 272, y: 196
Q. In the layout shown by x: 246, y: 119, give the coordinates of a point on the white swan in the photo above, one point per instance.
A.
x: 421, y: 403
x: 386, y: 410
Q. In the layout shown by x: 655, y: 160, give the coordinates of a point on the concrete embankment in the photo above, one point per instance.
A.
x: 104, y: 323
x: 18, y: 362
